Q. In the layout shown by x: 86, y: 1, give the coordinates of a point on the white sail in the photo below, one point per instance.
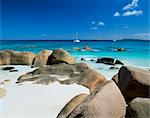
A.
x: 76, y: 40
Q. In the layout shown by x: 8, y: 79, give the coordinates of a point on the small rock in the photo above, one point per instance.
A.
x: 119, y: 62
x: 13, y: 71
x: 2, y: 83
x: 82, y: 59
x: 121, y: 49
x: 7, y: 80
x: 7, y: 68
x: 87, y: 48
x: 77, y: 49
x: 113, y: 68
x: 2, y: 92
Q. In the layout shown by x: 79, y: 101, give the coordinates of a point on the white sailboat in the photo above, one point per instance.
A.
x: 76, y: 40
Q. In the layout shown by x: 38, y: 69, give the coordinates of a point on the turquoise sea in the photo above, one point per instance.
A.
x: 137, y: 54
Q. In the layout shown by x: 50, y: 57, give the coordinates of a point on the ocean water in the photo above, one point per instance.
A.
x: 137, y: 54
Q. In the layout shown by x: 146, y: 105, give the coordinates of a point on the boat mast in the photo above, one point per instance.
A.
x: 76, y: 35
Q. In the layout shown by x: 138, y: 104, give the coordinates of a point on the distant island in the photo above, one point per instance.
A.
x: 130, y: 39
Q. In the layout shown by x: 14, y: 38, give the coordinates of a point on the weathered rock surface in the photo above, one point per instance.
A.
x: 4, y: 58
x: 2, y: 92
x: 73, y: 103
x: 106, y: 101
x: 41, y: 58
x: 78, y: 73
x: 139, y: 108
x: 60, y: 56
x: 10, y: 57
x: 133, y: 82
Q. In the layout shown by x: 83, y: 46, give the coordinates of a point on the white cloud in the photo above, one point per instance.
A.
x: 93, y: 22
x: 94, y: 28
x: 100, y: 23
x: 133, y: 13
x: 131, y: 5
x: 116, y: 14
x: 129, y: 10
x: 96, y: 25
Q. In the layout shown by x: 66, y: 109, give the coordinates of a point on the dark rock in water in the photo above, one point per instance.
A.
x: 72, y: 104
x: 78, y: 73
x: 41, y: 58
x: 82, y: 59
x: 8, y: 68
x: 121, y: 49
x: 13, y: 70
x: 109, y: 61
x: 113, y: 68
x: 138, y: 108
x: 106, y: 101
x: 133, y: 82
x: 106, y: 60
x: 87, y: 48
x: 119, y: 62
x: 60, y: 56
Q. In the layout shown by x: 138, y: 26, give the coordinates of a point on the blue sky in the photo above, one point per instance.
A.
x: 60, y: 19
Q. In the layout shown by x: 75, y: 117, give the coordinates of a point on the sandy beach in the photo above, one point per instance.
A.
x: 31, y: 100
x: 74, y: 59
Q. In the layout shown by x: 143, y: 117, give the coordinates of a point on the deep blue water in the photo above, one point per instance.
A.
x: 138, y: 52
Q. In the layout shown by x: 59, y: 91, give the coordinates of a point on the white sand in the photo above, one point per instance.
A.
x: 34, y: 101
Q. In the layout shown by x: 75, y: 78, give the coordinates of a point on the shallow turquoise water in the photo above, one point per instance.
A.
x: 138, y: 52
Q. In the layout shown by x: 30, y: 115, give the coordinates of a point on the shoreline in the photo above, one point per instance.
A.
x: 55, y: 78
